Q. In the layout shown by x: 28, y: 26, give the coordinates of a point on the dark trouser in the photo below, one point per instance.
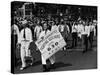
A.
x: 85, y: 42
x: 91, y: 38
x: 63, y: 35
x: 13, y: 50
x: 45, y: 68
x: 74, y: 39
x: 96, y: 30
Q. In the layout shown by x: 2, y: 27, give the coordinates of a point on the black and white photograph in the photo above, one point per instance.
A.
x: 51, y: 37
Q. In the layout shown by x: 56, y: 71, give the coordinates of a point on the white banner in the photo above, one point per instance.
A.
x: 51, y: 43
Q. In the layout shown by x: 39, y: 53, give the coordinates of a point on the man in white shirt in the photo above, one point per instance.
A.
x: 52, y: 58
x: 92, y: 33
x: 61, y: 27
x: 95, y: 24
x: 37, y: 30
x: 25, y: 38
x: 14, y: 40
x: 79, y: 28
x: 15, y: 30
x: 61, y: 30
x: 74, y: 34
x: 85, y: 34
x: 64, y: 30
x: 54, y: 26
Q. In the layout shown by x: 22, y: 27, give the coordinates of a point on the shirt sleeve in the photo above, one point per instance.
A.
x: 68, y: 28
x: 19, y: 37
x: 41, y: 29
x: 41, y: 35
x: 72, y: 29
x: 17, y: 30
x: 88, y: 30
x: 94, y: 31
x: 35, y: 29
x: 30, y: 35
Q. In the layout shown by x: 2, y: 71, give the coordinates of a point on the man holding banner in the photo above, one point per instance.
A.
x: 49, y: 43
x: 52, y: 59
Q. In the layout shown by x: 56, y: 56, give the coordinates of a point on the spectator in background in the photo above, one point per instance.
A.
x: 74, y: 35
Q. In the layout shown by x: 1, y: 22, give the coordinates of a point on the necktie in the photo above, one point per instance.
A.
x: 84, y: 28
x: 24, y: 34
x: 60, y: 28
x: 45, y: 32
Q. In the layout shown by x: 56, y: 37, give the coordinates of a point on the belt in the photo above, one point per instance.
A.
x: 25, y: 40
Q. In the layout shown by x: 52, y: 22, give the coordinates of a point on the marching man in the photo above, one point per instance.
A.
x: 85, y: 34
x: 54, y: 26
x: 92, y: 33
x: 79, y: 28
x: 61, y: 30
x: 14, y: 37
x: 24, y: 40
x: 64, y: 30
x: 74, y: 35
x: 37, y: 30
x: 52, y: 58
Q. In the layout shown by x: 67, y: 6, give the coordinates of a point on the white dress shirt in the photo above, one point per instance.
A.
x: 37, y: 31
x: 15, y: 29
x: 85, y: 30
x: 54, y: 27
x: 74, y: 28
x: 43, y: 33
x: 61, y: 28
x: 79, y: 29
x: 52, y: 58
x: 28, y: 35
x: 92, y: 29
x: 67, y: 28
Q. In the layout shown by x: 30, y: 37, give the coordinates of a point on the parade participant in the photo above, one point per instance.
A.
x: 25, y: 38
x: 64, y: 30
x: 53, y: 26
x: 37, y: 30
x: 74, y: 35
x: 79, y: 28
x: 61, y: 30
x: 92, y: 33
x: 14, y: 40
x: 66, y: 33
x: 52, y: 58
x: 57, y: 21
x: 85, y: 34
x: 95, y: 24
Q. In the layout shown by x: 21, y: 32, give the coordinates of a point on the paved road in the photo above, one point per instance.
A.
x: 71, y: 59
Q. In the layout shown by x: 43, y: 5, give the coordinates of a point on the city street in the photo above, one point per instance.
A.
x: 70, y: 59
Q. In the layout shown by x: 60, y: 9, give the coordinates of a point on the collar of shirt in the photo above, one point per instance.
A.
x: 74, y: 28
